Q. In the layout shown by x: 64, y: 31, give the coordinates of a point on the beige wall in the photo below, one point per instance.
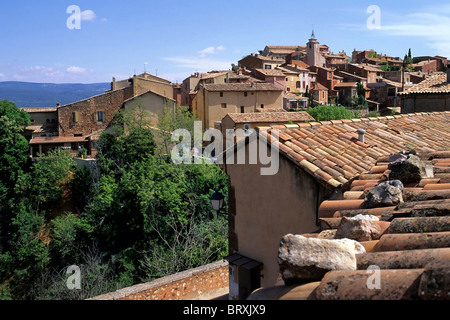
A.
x: 265, y: 208
x: 143, y: 85
x: 234, y: 100
x: 152, y: 103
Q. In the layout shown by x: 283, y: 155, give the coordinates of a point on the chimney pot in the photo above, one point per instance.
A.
x: 361, y: 133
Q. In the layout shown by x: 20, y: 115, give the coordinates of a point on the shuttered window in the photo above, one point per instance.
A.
x: 75, y: 117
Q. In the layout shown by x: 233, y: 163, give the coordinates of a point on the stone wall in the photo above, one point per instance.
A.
x: 186, y: 285
x: 109, y: 103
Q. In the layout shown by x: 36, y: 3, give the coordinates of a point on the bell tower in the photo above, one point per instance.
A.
x: 312, y: 51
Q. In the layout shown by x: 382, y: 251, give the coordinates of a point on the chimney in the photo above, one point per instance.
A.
x: 58, y: 105
x: 361, y: 133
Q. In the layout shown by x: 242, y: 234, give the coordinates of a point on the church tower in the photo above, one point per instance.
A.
x: 313, y: 51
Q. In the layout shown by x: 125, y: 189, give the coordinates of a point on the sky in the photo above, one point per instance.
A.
x: 41, y: 41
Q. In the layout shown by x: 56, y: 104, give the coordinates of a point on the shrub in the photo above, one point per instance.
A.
x: 327, y: 113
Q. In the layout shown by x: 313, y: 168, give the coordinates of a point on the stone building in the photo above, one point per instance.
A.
x: 215, y: 101
x: 318, y: 163
x: 79, y: 123
x: 432, y: 94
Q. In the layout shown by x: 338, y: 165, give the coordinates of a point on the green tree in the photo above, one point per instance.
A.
x: 172, y: 119
x: 14, y: 154
x: 327, y: 113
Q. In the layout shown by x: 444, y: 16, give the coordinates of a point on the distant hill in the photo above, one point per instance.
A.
x: 33, y: 95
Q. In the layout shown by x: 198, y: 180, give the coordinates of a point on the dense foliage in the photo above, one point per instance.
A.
x: 327, y: 113
x: 133, y: 218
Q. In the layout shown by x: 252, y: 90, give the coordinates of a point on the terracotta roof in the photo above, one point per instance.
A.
x: 49, y: 140
x: 242, y: 87
x: 411, y: 251
x: 269, y: 58
x: 292, y: 69
x: 346, y: 84
x: 270, y: 117
x: 271, y: 72
x: 437, y: 83
x: 331, y: 152
x: 283, y: 49
x: 318, y: 86
x: 33, y: 110
x: 300, y: 64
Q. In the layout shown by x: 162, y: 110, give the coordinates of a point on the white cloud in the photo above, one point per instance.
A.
x: 88, y: 15
x: 2, y: 75
x: 210, y: 50
x: 433, y: 28
x: 76, y: 70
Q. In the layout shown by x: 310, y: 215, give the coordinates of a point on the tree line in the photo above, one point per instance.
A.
x: 132, y: 218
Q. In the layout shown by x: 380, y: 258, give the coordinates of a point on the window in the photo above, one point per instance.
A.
x: 99, y: 116
x: 297, y: 84
x: 262, y: 106
x: 267, y: 66
x: 75, y: 116
x: 242, y: 109
x: 224, y: 105
x: 245, y: 93
x: 323, y: 94
x: 304, y: 84
x: 32, y: 120
x: 78, y: 135
x: 221, y: 94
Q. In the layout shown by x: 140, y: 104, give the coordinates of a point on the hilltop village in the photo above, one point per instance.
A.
x: 370, y: 190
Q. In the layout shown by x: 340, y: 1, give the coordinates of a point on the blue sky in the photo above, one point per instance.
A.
x: 176, y: 38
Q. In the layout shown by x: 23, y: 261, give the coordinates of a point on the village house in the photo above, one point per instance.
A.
x: 214, y: 101
x: 274, y: 76
x: 430, y: 64
x: 318, y: 163
x: 386, y: 93
x: 79, y: 123
x: 258, y: 61
x: 153, y: 103
x: 189, y: 86
x: 295, y: 101
x: 347, y: 91
x: 432, y: 94
x: 327, y: 78
x: 281, y: 52
x: 297, y: 79
x: 319, y: 93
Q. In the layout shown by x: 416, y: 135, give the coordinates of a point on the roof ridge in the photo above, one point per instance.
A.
x: 366, y: 119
